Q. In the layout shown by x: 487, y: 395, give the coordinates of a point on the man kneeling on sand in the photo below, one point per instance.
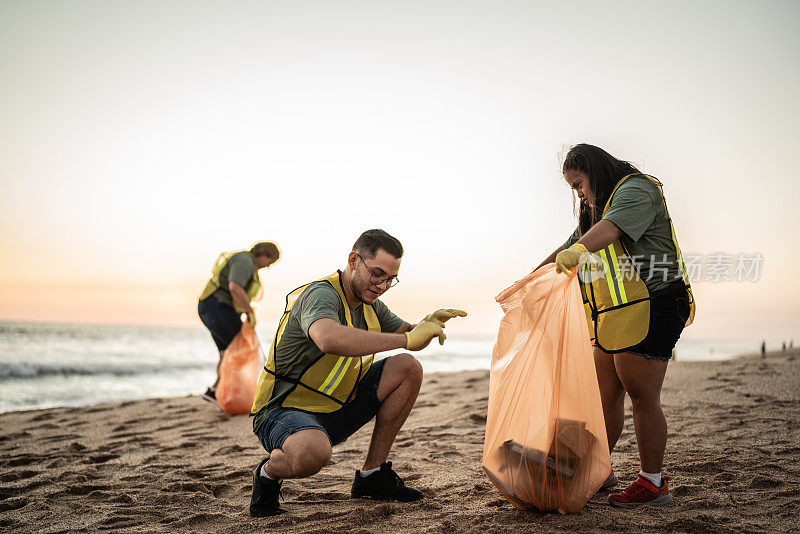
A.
x: 320, y: 383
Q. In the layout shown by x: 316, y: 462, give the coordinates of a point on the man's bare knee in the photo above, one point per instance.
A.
x: 308, y: 451
x: 311, y: 462
x: 410, y: 367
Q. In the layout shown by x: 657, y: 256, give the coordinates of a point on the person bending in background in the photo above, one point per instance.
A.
x: 638, y: 301
x: 234, y: 284
x: 320, y: 383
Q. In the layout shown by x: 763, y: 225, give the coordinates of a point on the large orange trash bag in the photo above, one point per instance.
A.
x: 545, y: 444
x: 238, y: 374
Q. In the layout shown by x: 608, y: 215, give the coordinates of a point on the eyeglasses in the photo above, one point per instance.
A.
x: 378, y: 278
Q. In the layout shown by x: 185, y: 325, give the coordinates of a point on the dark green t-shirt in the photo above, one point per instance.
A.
x: 240, y: 269
x: 638, y: 210
x: 296, y: 349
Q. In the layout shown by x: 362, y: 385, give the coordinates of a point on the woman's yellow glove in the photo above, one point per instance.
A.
x: 422, y: 334
x: 441, y: 316
x: 567, y: 259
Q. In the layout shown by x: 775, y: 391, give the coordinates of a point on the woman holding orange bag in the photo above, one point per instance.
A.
x: 637, y: 299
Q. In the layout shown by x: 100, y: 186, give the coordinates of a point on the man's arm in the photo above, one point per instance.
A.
x: 334, y: 338
x: 405, y: 327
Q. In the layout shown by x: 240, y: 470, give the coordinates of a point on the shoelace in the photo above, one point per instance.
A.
x: 397, y: 480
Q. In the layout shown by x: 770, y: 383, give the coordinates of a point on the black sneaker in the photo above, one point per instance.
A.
x: 610, y: 482
x: 266, y: 492
x: 383, y: 485
x: 210, y: 395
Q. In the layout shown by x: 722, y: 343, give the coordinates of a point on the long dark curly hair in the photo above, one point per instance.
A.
x: 604, y: 171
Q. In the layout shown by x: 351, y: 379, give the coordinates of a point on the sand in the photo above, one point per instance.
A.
x: 179, y: 464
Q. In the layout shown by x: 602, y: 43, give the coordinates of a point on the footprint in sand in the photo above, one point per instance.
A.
x: 13, y: 476
x: 23, y: 459
x: 14, y: 503
x: 100, y: 458
x: 765, y: 482
x: 229, y: 450
x: 478, y: 418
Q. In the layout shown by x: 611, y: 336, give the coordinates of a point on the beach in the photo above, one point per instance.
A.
x: 180, y: 464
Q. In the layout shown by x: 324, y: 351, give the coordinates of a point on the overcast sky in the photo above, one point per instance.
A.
x: 140, y: 139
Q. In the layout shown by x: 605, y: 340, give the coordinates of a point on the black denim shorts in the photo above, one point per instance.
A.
x: 669, y: 310
x: 281, y: 423
x: 221, y: 320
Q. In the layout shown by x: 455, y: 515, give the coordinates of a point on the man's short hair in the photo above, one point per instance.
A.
x: 371, y: 241
x: 266, y: 248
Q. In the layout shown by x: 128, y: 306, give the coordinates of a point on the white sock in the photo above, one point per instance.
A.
x: 263, y: 471
x: 655, y: 478
x: 368, y: 472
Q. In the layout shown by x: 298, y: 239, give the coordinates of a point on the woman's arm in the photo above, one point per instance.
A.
x: 551, y: 258
x: 600, y: 236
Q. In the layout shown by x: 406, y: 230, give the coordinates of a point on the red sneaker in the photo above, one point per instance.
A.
x: 642, y: 493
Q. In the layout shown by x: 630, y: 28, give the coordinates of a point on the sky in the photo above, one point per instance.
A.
x: 138, y: 140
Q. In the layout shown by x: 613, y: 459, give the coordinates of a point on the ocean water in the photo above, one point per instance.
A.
x: 45, y: 365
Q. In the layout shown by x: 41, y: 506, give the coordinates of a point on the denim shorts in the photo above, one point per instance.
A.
x: 669, y: 310
x: 221, y: 320
x: 281, y: 423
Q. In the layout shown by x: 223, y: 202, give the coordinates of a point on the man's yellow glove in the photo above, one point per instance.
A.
x: 251, y: 319
x: 567, y: 259
x: 422, y: 334
x: 441, y: 316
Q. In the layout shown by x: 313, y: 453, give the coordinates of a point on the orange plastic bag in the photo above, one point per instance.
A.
x: 545, y: 444
x: 238, y: 374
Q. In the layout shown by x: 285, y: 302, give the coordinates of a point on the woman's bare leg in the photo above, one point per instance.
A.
x: 642, y: 379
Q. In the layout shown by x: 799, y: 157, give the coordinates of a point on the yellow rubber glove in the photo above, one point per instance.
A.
x: 567, y: 259
x: 422, y: 334
x: 251, y: 319
x: 441, y: 316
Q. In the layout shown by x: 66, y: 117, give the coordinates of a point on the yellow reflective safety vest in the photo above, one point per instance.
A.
x: 253, y: 289
x: 616, y: 299
x: 327, y: 383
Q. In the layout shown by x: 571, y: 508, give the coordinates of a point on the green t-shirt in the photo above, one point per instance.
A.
x: 638, y: 210
x: 296, y: 349
x: 240, y: 269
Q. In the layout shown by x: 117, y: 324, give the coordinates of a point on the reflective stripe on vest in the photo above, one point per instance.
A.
x: 616, y: 288
x: 328, y: 382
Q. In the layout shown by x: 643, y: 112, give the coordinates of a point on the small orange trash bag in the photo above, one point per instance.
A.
x: 238, y: 374
x: 545, y: 444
